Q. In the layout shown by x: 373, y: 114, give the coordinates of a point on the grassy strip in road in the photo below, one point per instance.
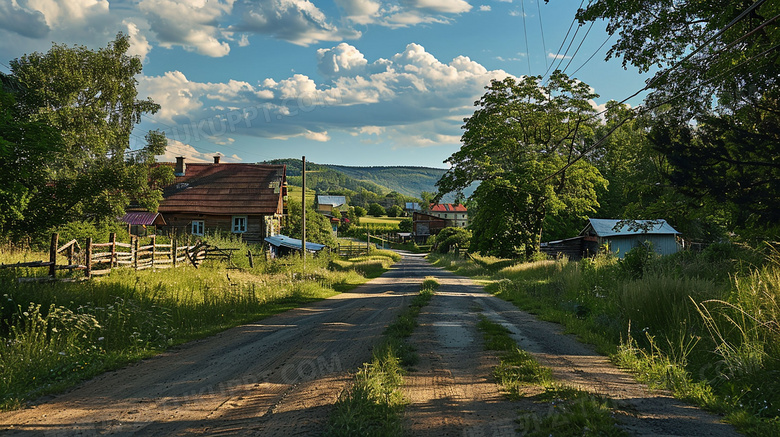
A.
x: 572, y: 412
x: 374, y: 404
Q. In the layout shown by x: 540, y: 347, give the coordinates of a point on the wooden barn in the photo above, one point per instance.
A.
x: 245, y: 199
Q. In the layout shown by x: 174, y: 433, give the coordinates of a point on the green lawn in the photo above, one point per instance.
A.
x: 380, y: 220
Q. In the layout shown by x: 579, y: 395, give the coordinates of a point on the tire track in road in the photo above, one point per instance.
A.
x: 278, y: 376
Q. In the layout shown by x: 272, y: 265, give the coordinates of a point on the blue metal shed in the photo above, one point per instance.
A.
x: 623, y: 235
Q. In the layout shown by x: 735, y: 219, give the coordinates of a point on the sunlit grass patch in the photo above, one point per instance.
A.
x: 374, y: 404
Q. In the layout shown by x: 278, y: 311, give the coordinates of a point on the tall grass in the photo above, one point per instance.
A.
x: 704, y: 325
x: 55, y: 334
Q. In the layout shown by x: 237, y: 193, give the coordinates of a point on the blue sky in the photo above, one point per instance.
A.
x: 351, y: 82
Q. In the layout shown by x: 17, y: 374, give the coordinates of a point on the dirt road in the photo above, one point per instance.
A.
x: 280, y: 376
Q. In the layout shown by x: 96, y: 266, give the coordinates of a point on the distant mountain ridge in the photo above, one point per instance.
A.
x: 407, y: 180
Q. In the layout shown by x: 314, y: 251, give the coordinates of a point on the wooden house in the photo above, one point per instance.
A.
x: 327, y: 204
x: 425, y: 225
x: 244, y: 199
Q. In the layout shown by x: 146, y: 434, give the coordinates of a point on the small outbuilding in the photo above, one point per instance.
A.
x: 620, y: 236
x: 280, y: 245
x: 142, y: 223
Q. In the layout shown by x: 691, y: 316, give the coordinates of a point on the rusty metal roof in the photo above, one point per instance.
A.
x: 143, y: 218
x: 227, y: 189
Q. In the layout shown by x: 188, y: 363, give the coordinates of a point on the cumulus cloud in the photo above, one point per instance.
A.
x: 177, y: 148
x: 297, y: 21
x: 442, y: 6
x: 193, y: 25
x: 360, y: 11
x: 23, y: 20
x: 485, y: 8
x: 411, y: 98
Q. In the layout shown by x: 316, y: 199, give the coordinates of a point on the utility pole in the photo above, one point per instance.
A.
x: 303, y: 211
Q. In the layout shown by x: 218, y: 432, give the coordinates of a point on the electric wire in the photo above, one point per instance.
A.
x: 525, y: 33
x: 541, y: 31
x: 578, y: 47
x: 609, y: 37
x: 642, y: 109
x: 564, y: 40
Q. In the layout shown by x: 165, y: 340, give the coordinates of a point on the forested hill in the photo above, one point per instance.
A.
x: 409, y: 181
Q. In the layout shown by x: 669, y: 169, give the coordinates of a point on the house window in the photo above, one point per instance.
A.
x: 239, y: 224
x: 197, y: 227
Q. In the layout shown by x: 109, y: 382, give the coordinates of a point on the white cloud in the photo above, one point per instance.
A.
x: 410, y: 99
x: 297, y: 21
x: 341, y: 60
x: 360, y: 11
x: 557, y: 56
x: 139, y: 45
x: 25, y: 21
x: 485, y: 8
x: 189, y: 24
x: 442, y: 6
x: 177, y: 148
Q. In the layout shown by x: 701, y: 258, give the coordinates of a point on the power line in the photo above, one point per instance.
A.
x: 640, y: 110
x: 541, y: 30
x: 592, y: 55
x: 525, y: 33
x: 579, y: 46
x: 573, y: 20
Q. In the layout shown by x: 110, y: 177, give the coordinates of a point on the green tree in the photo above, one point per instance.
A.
x: 26, y: 148
x: 318, y: 228
x: 89, y: 98
x: 376, y: 210
x: 406, y: 225
x: 716, y: 94
x: 452, y: 237
x: 395, y: 211
x: 360, y: 212
x: 517, y: 144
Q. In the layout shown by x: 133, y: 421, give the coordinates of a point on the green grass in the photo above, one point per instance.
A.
x: 371, y: 220
x: 517, y: 368
x: 57, y: 334
x: 571, y: 412
x: 374, y: 404
x: 703, y: 325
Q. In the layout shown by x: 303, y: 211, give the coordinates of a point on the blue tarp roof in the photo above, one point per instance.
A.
x: 293, y: 243
x: 605, y: 227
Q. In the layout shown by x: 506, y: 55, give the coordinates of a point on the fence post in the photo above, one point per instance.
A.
x: 154, y: 249
x: 134, y: 252
x: 112, y: 240
x: 251, y: 259
x: 53, y: 254
x: 173, y: 251
x: 88, y: 262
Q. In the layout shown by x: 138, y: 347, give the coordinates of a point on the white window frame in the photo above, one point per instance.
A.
x: 239, y: 224
x: 198, y: 227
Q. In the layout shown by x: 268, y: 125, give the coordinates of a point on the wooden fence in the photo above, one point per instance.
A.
x: 100, y: 258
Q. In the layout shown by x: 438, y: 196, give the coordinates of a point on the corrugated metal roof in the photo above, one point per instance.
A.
x: 143, y: 218
x: 293, y: 243
x: 412, y: 206
x: 331, y: 200
x: 606, y: 227
x: 448, y: 207
x: 226, y: 189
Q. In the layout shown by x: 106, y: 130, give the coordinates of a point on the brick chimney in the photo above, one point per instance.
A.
x: 216, y: 159
x: 180, y: 167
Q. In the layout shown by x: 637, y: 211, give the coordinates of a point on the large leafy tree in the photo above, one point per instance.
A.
x: 522, y: 143
x: 83, y: 106
x: 715, y: 96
